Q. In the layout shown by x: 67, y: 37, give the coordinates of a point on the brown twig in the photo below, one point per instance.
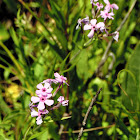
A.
x: 87, y: 113
x: 90, y: 129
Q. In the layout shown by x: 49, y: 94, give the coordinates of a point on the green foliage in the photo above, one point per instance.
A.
x: 39, y: 39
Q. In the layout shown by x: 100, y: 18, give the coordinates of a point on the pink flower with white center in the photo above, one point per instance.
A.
x: 63, y: 101
x: 39, y: 113
x: 116, y: 35
x: 110, y: 6
x: 42, y: 101
x: 60, y: 78
x: 104, y: 14
x: 94, y: 27
x: 44, y: 90
x: 99, y: 6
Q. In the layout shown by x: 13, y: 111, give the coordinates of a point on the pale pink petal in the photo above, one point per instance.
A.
x: 49, y: 102
x: 91, y: 33
x: 107, y: 1
x: 65, y: 103
x: 49, y: 90
x: 107, y: 8
x: 60, y: 99
x: 93, y: 22
x: 110, y: 15
x: 38, y: 92
x: 87, y: 27
x: 41, y: 106
x: 46, y: 85
x: 44, y: 93
x: 56, y: 74
x: 35, y: 99
x: 39, y: 120
x: 115, y: 6
x: 48, y: 95
x: 116, y: 36
x: 34, y: 113
x: 39, y: 86
x: 99, y: 25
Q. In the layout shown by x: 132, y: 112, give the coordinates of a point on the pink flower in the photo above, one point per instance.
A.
x: 93, y: 27
x: 110, y: 6
x: 60, y: 78
x: 104, y: 14
x: 44, y: 90
x: 63, y: 101
x: 116, y: 35
x: 39, y: 113
x: 42, y: 101
x: 99, y: 6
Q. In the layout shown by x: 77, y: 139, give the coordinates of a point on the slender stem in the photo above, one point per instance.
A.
x: 90, y: 129
x: 56, y: 90
x: 127, y: 15
x: 87, y: 113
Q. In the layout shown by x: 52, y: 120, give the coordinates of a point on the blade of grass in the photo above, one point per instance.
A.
x: 12, y: 58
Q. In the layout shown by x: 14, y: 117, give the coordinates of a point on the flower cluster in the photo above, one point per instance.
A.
x: 99, y: 27
x: 44, y: 99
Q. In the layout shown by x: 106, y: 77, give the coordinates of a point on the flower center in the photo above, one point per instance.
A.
x: 43, y: 89
x: 42, y: 99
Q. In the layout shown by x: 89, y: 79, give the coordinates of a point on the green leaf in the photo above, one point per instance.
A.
x: 123, y: 127
x: 82, y: 64
x: 14, y: 36
x: 4, y: 35
x: 37, y: 135
x: 129, y: 85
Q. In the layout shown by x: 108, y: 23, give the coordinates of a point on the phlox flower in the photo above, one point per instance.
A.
x: 60, y: 78
x: 42, y: 101
x: 44, y: 90
x: 116, y: 35
x: 93, y: 27
x: 63, y: 101
x: 110, y: 6
x: 80, y: 21
x: 104, y: 14
x: 39, y: 114
x: 99, y: 6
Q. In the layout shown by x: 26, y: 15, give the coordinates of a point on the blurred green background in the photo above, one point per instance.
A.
x: 38, y: 38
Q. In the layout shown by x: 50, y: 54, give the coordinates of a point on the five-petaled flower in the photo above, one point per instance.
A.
x: 104, y: 14
x: 94, y: 27
x: 110, y: 6
x: 60, y: 79
x: 44, y: 90
x: 42, y: 101
x: 63, y: 101
x: 39, y: 114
